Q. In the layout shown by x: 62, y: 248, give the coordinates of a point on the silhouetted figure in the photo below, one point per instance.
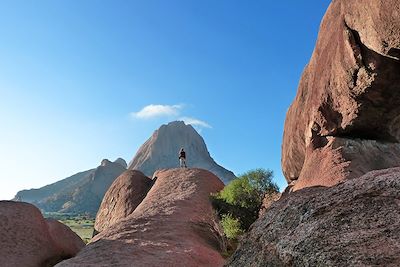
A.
x: 182, y: 158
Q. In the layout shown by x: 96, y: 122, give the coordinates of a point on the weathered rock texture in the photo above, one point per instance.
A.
x: 79, y: 193
x: 345, y: 120
x: 27, y: 239
x: 122, y: 198
x: 160, y: 151
x: 268, y: 200
x: 174, y: 225
x: 355, y: 223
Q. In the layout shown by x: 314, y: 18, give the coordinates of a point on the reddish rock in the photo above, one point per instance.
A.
x: 349, y: 90
x: 122, y: 198
x: 174, y: 225
x: 65, y: 240
x: 268, y: 200
x: 355, y: 223
x: 26, y: 239
x: 345, y: 158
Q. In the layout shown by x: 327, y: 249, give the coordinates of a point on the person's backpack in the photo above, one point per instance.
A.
x: 182, y: 154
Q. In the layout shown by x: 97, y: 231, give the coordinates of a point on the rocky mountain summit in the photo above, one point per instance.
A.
x: 121, y: 162
x: 174, y: 225
x: 79, y: 193
x: 160, y: 151
x: 84, y: 191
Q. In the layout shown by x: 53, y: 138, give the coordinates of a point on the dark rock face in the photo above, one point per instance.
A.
x: 160, y: 151
x: 27, y: 239
x: 122, y: 198
x: 80, y: 193
x: 174, y: 225
x: 350, y: 91
x: 355, y: 223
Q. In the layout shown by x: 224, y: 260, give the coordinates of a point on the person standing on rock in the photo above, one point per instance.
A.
x: 182, y: 158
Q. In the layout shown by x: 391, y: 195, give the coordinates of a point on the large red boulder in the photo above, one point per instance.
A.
x: 175, y: 225
x: 64, y: 239
x: 348, y: 100
x: 27, y: 239
x: 355, y: 223
x: 122, y: 198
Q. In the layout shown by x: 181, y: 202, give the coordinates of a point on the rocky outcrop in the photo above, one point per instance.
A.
x: 64, y: 239
x: 341, y: 140
x: 27, y: 239
x: 160, y: 151
x: 81, y: 193
x: 268, y: 200
x: 355, y: 223
x: 122, y: 198
x: 345, y: 120
x: 121, y: 162
x: 174, y: 225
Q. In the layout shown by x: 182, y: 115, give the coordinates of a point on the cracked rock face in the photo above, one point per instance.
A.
x: 355, y: 223
x: 348, y: 100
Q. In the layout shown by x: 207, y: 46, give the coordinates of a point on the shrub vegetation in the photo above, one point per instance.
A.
x: 239, y: 202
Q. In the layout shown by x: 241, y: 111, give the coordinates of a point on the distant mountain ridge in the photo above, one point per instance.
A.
x: 83, y: 192
x: 79, y: 193
x: 160, y: 151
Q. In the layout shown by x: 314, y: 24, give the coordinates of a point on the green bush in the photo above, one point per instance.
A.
x: 231, y: 226
x: 242, y: 198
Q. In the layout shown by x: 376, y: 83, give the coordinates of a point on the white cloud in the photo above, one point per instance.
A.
x: 152, y: 111
x: 171, y: 111
x: 195, y: 122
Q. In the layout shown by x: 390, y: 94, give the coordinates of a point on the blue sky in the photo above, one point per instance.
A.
x: 73, y: 74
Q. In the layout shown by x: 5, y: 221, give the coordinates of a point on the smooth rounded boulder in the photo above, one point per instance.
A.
x: 27, y: 239
x: 65, y: 240
x: 175, y: 225
x: 122, y: 198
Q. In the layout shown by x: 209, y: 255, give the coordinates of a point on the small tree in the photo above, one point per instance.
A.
x: 242, y: 198
x: 231, y: 226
